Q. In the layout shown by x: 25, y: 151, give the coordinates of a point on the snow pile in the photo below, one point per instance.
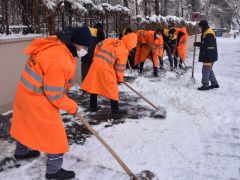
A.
x: 18, y: 36
x: 165, y: 20
x: 51, y: 4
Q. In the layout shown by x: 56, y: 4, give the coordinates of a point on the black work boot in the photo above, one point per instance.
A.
x: 203, y: 88
x: 141, y: 68
x: 62, y: 174
x: 95, y: 109
x: 155, y: 72
x: 161, y: 68
x: 29, y: 155
x: 115, y: 108
x: 93, y: 103
x: 213, y: 86
x: 119, y: 111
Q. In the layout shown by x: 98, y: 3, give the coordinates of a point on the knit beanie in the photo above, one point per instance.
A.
x: 81, y: 36
x: 203, y: 24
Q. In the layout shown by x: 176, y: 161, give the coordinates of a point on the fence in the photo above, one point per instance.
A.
x: 32, y: 16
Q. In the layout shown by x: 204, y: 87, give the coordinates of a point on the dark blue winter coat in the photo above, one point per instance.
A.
x: 208, y: 47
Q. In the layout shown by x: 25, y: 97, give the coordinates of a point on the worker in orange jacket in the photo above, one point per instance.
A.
x: 140, y: 42
x: 107, y: 70
x: 49, y: 71
x: 150, y: 44
x: 182, y: 37
x: 131, y: 56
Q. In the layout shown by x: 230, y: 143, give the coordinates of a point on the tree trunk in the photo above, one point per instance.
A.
x: 157, y: 7
x: 165, y: 7
x: 195, y: 5
x: 125, y: 3
x: 145, y: 7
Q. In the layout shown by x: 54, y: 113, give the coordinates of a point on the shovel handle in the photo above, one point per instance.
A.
x: 174, y: 57
x: 129, y: 65
x: 172, y: 69
x: 194, y: 53
x: 141, y: 96
x: 116, y: 157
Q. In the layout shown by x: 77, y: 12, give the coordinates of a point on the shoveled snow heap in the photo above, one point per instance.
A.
x: 200, y: 138
x: 163, y: 19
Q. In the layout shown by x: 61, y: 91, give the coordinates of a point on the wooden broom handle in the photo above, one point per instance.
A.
x: 141, y: 96
x: 194, y: 54
x: 118, y: 159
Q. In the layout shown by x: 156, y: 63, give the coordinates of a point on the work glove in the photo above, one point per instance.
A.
x: 198, y: 44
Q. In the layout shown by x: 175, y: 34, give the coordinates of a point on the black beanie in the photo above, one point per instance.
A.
x: 81, y: 36
x: 203, y: 24
x: 159, y: 30
x: 98, y: 26
x: 172, y: 31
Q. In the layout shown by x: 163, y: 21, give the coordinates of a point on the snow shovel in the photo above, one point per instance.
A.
x: 175, y: 57
x: 130, y: 67
x: 144, y: 175
x: 132, y: 75
x: 158, y: 113
x: 173, y: 69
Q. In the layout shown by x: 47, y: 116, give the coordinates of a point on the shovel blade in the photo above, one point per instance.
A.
x: 159, y: 114
x: 144, y: 175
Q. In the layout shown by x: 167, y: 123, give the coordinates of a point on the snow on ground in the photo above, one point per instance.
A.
x: 199, y: 139
x: 17, y: 36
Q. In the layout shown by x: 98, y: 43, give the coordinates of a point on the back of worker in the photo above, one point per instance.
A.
x: 107, y: 69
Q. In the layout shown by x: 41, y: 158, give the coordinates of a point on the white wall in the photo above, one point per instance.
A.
x: 11, y: 65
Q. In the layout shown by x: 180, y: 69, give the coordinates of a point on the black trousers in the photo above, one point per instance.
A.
x: 93, y: 103
x: 175, y: 59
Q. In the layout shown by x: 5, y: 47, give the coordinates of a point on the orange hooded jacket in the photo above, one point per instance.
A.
x: 109, y: 64
x: 40, y: 95
x: 147, y: 45
x: 140, y: 42
x: 182, y: 46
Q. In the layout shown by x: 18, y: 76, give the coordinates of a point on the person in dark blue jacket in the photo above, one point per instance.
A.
x: 208, y: 56
x: 98, y: 36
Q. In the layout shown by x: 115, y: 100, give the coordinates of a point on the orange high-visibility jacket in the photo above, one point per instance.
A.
x: 40, y: 95
x: 151, y: 45
x: 140, y: 42
x: 109, y: 64
x: 160, y: 46
x: 182, y: 46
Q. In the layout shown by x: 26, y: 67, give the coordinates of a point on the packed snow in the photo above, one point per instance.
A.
x: 163, y: 19
x: 199, y: 139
